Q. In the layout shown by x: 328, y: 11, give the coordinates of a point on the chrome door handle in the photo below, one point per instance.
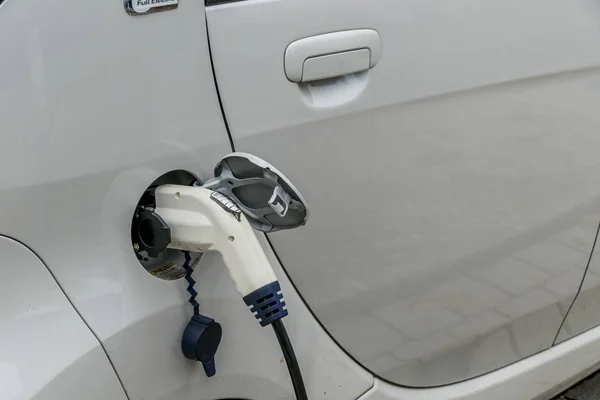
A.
x: 332, y: 54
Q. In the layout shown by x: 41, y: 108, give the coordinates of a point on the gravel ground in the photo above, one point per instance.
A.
x: 588, y: 389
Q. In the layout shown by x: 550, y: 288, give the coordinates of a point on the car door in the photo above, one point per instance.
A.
x: 447, y: 167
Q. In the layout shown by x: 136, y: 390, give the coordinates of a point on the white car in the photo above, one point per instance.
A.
x: 449, y: 152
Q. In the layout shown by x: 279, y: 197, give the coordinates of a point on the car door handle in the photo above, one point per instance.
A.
x: 332, y: 54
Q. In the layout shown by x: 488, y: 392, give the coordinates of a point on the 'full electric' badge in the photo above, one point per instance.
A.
x: 141, y: 7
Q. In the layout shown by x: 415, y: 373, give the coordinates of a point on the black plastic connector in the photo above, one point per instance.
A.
x: 150, y: 232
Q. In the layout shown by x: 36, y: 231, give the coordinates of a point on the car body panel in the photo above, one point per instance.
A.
x: 584, y: 313
x: 538, y: 377
x: 38, y: 359
x: 96, y: 105
x: 443, y: 183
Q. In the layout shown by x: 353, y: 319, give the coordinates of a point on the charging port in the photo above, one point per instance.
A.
x: 150, y: 235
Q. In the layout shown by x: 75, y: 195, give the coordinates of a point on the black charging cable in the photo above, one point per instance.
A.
x: 290, y: 359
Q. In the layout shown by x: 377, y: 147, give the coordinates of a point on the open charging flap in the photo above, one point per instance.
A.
x: 267, y: 198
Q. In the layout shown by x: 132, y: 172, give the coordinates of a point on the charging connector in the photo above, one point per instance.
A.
x: 247, y: 193
x: 202, y: 220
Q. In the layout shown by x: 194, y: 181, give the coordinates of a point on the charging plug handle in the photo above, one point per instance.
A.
x: 203, y: 220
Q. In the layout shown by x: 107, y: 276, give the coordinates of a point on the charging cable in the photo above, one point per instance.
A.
x: 290, y: 359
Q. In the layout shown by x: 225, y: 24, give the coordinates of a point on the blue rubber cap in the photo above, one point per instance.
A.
x: 267, y: 303
x: 200, y: 341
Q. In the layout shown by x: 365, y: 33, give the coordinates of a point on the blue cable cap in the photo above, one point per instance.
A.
x: 267, y: 303
x: 200, y: 341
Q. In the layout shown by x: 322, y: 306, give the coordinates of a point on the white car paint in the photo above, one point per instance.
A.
x: 584, y: 313
x: 538, y: 377
x: 446, y: 183
x: 96, y: 104
x: 92, y: 112
x: 46, y: 350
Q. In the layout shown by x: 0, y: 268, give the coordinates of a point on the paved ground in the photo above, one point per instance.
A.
x: 588, y: 389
